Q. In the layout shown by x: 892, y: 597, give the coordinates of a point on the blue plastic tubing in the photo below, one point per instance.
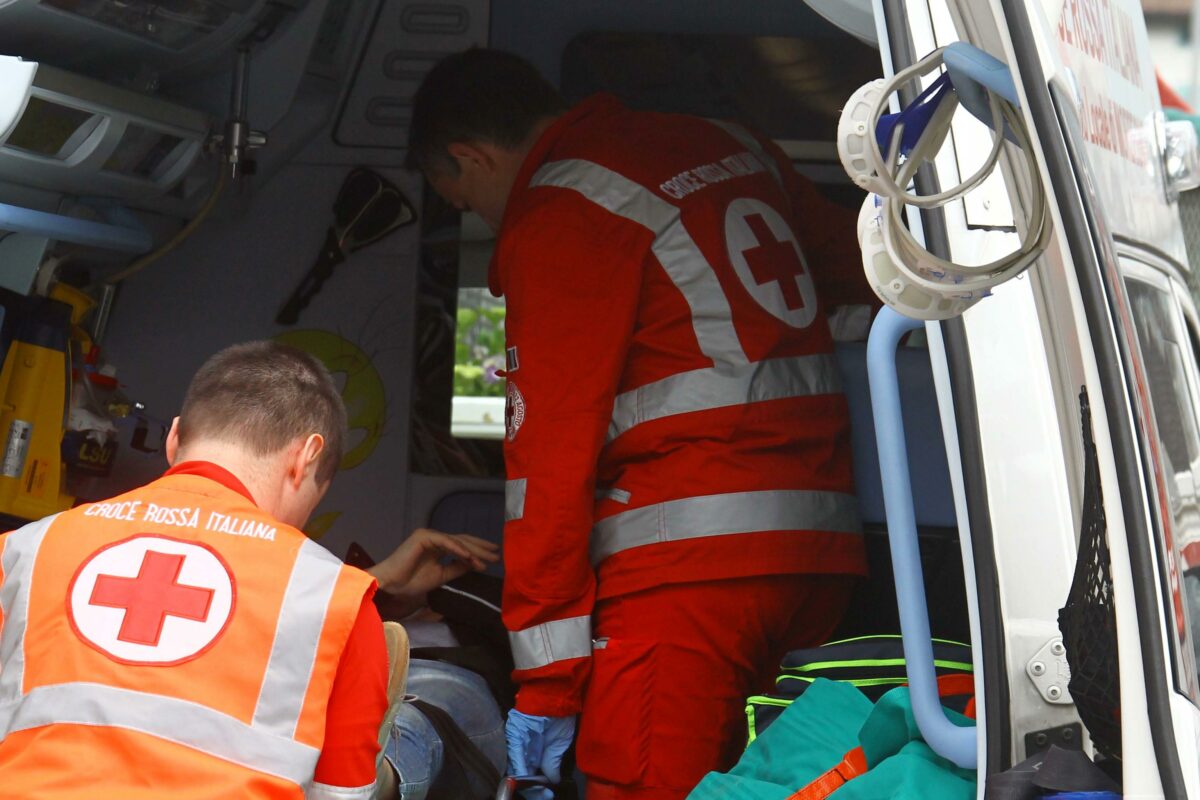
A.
x: 955, y: 743
x: 76, y: 231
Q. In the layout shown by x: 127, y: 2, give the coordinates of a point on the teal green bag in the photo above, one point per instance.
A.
x: 874, y: 664
x: 816, y: 732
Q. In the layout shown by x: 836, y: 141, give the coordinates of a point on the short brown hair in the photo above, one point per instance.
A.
x: 263, y: 396
x: 478, y: 95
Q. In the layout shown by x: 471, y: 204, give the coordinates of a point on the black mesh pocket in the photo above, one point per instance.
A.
x: 1088, y: 620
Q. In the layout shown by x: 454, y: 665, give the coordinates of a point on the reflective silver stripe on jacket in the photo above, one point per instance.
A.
x: 322, y: 791
x: 723, y: 515
x: 549, y: 642
x: 20, y: 552
x: 674, y: 247
x: 713, y: 387
x: 297, y: 636
x: 747, y: 140
x: 171, y: 719
x: 514, y: 499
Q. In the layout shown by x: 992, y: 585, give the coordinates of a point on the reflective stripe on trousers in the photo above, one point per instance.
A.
x: 265, y: 745
x: 724, y: 515
x: 559, y: 640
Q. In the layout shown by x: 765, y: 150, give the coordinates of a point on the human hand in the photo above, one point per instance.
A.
x: 537, y: 745
x: 428, y: 558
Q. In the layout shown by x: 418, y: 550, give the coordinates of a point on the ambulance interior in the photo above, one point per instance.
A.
x: 199, y: 150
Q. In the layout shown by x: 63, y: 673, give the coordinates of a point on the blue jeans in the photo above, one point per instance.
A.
x: 414, y: 747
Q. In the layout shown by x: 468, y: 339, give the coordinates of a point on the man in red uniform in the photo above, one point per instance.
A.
x: 185, y: 639
x: 679, y: 496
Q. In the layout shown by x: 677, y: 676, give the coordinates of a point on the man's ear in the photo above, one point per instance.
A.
x: 472, y: 156
x: 172, y: 443
x: 305, y: 458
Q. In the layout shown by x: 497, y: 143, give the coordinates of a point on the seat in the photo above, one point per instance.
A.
x: 480, y: 513
x: 873, y: 609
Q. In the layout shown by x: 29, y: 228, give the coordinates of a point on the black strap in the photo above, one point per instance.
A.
x: 458, y: 747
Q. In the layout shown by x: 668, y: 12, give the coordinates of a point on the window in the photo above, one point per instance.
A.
x: 1170, y: 369
x: 458, y: 395
x: 478, y: 411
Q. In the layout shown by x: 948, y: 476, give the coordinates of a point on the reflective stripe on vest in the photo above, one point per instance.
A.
x: 20, y: 551
x: 723, y: 515
x: 549, y: 642
x: 266, y: 744
x: 180, y: 721
x: 297, y: 636
x: 674, y: 247
x: 514, y: 499
x: 704, y: 389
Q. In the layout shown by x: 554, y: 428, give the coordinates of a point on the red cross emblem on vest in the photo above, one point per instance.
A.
x: 151, y: 597
x: 152, y: 600
x: 769, y: 262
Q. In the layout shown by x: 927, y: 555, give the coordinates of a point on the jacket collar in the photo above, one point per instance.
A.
x: 214, y: 472
x: 596, y: 105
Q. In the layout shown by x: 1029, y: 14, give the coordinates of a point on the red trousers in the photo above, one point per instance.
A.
x: 667, y: 697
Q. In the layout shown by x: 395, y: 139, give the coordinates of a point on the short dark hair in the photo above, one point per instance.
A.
x: 478, y: 95
x: 264, y: 395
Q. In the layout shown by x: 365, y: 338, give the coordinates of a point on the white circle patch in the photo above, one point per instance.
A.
x: 151, y: 600
x: 769, y: 262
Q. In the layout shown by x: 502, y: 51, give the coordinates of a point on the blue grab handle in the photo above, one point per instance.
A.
x: 958, y: 744
x: 122, y: 238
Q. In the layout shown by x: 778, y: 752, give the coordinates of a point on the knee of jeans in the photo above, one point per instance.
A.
x: 413, y: 748
x: 462, y: 694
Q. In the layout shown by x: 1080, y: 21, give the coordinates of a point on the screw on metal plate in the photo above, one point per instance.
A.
x: 1048, y: 671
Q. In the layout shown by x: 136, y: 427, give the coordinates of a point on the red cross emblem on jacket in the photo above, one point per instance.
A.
x: 152, y: 599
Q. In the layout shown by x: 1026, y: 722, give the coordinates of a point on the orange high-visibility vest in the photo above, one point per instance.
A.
x: 177, y: 635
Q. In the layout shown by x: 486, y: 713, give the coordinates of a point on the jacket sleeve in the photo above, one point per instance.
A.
x: 571, y: 274
x: 357, y: 704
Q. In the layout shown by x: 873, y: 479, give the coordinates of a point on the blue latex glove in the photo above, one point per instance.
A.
x: 537, y: 744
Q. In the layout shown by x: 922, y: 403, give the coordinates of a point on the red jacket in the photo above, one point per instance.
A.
x: 674, y: 407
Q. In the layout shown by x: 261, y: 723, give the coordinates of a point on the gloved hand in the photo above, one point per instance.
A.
x: 537, y: 744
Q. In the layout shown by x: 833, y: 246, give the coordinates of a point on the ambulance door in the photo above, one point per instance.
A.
x: 1086, y: 81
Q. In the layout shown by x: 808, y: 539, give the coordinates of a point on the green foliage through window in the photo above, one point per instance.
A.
x: 479, y: 344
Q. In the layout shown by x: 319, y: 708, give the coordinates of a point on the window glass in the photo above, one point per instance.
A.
x: 458, y: 393
x: 1163, y: 354
x: 1170, y: 370
x: 478, y: 411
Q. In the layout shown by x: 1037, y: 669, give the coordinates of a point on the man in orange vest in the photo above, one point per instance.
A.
x: 186, y: 639
x: 679, y: 503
